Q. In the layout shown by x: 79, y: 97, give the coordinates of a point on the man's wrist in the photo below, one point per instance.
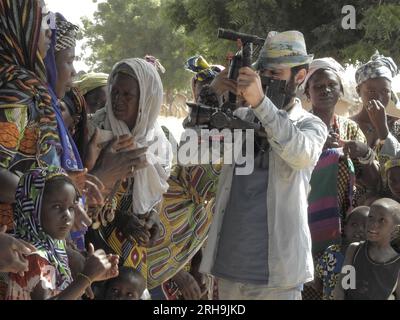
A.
x: 259, y: 103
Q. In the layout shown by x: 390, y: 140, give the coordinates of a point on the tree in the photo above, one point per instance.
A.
x: 134, y: 28
x: 173, y: 30
x: 378, y: 24
x: 381, y: 26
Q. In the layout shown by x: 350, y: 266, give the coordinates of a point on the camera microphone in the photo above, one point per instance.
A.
x: 244, y: 37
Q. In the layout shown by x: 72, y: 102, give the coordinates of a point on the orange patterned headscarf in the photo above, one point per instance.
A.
x: 22, y: 71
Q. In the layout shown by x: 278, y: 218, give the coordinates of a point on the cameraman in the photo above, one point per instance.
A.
x: 259, y: 244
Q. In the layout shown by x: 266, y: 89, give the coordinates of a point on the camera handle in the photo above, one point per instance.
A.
x: 242, y: 58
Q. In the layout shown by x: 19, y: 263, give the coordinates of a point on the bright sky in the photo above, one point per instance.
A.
x: 73, y: 10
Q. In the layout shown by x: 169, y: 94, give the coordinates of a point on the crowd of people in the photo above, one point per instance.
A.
x: 96, y: 204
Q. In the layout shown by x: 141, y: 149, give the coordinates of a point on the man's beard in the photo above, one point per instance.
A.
x: 290, y: 90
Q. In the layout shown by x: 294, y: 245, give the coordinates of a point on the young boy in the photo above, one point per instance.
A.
x: 330, y: 263
x: 392, y: 170
x: 376, y: 263
x: 129, y: 285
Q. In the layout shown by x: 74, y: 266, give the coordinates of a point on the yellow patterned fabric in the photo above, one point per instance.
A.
x: 344, y: 176
x: 186, y: 214
x: 383, y: 159
x: 391, y: 164
x: 131, y: 254
x: 349, y: 130
x: 136, y: 257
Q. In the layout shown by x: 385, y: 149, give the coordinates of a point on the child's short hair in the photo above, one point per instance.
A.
x: 130, y: 272
x: 396, y: 214
x: 126, y: 273
x: 355, y: 210
x: 129, y: 277
x: 393, y: 207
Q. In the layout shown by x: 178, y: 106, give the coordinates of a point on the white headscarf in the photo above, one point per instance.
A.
x: 380, y: 66
x: 331, y: 64
x: 150, y: 183
x: 324, y: 64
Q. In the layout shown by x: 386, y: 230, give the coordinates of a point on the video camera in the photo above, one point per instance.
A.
x: 210, y: 113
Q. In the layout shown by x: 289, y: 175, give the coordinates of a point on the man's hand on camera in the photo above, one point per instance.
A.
x: 222, y: 84
x: 249, y: 87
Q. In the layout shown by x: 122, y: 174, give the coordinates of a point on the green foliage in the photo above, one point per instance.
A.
x: 173, y: 30
x: 124, y: 29
x: 382, y: 29
x: 378, y: 24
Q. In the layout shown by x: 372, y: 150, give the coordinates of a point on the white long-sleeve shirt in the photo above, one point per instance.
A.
x: 296, y: 139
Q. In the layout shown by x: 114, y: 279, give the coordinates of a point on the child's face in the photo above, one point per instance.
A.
x: 125, y: 289
x: 57, y: 213
x: 355, y: 228
x: 380, y: 224
x: 394, y: 181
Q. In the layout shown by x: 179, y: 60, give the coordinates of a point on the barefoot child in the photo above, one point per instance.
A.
x: 44, y: 215
x: 376, y: 263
